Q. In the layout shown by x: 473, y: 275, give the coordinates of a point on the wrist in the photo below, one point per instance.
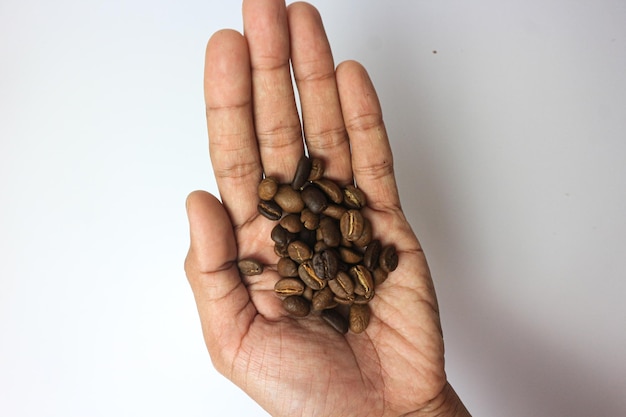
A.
x: 446, y: 404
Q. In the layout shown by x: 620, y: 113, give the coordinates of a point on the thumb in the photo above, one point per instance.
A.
x: 222, y: 299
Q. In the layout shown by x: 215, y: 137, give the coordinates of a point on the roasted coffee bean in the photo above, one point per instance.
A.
x: 267, y: 188
x: 297, y: 306
x: 281, y: 251
x: 359, y: 317
x: 269, y: 209
x: 380, y: 276
x: 287, y: 267
x: 336, y: 320
x: 281, y: 236
x: 291, y: 223
x: 308, y: 236
x: 299, y: 251
x: 302, y: 173
x: 326, y: 264
x: 372, y: 252
x: 309, y: 219
x: 289, y: 286
x: 363, y: 277
x: 335, y: 211
x: 323, y: 299
x: 250, y: 267
x: 353, y: 197
x: 361, y: 299
x: 320, y: 246
x: 317, y: 169
x: 366, y: 235
x: 314, y: 199
x: 330, y: 189
x: 342, y: 286
x: 289, y: 199
x: 344, y: 301
x: 308, y: 293
x: 351, y: 225
x: 309, y: 277
x: 349, y: 256
x: 388, y: 259
x: 328, y: 232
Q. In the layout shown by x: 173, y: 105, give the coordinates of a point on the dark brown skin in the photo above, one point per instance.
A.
x: 302, y: 366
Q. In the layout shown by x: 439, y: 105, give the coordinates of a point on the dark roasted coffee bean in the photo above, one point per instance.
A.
x: 317, y: 169
x: 372, y: 252
x: 309, y: 277
x: 366, y: 235
x: 289, y: 286
x: 301, y: 175
x: 342, y: 286
x: 388, y: 259
x: 297, y: 306
x: 308, y: 236
x: 330, y: 189
x: 281, y: 251
x: 350, y: 256
x: 363, y: 277
x: 353, y: 197
x: 351, y: 225
x: 309, y: 219
x: 289, y: 199
x: 281, y: 236
x: 323, y: 299
x: 287, y: 267
x: 335, y: 211
x: 270, y: 209
x: 326, y: 264
x: 299, y: 251
x: 314, y: 199
x: 336, y: 320
x: 267, y: 188
x: 250, y: 267
x: 328, y: 232
x: 380, y: 276
x: 359, y: 317
x: 291, y: 223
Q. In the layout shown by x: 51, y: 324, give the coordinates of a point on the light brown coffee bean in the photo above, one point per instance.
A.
x: 363, y: 277
x: 342, y: 286
x: 289, y: 286
x: 289, y: 199
x: 309, y: 219
x: 330, y: 189
x: 353, y: 197
x: 299, y: 251
x: 287, y: 267
x: 267, y: 188
x: 291, y: 223
x: 297, y: 306
x: 350, y: 256
x: 335, y: 211
x: 302, y: 173
x: 359, y: 317
x: 388, y: 259
x: 309, y: 277
x: 250, y: 267
x: 308, y: 293
x: 351, y: 225
x: 323, y: 299
x: 336, y: 320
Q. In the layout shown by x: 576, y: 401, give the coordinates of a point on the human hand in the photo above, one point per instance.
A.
x: 302, y: 366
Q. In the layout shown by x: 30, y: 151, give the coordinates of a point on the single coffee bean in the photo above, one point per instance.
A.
x: 328, y: 232
x: 366, y: 236
x: 309, y: 277
x: 309, y: 219
x: 353, y: 197
x: 267, y: 188
x: 359, y: 317
x: 336, y: 320
x: 323, y: 299
x: 289, y: 199
x: 350, y: 256
x: 380, y: 276
x: 342, y: 286
x: 289, y: 286
x: 351, y: 225
x: 281, y: 251
x: 317, y: 169
x: 270, y: 209
x: 299, y: 251
x: 388, y: 259
x: 250, y: 267
x: 302, y: 173
x: 325, y: 264
x: 308, y: 293
x: 297, y: 306
x: 308, y: 236
x: 281, y: 236
x: 287, y: 267
x: 335, y: 211
x: 291, y: 223
x: 372, y: 252
x: 314, y: 199
x: 330, y: 189
x: 363, y: 277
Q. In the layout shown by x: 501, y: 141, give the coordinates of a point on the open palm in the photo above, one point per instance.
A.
x: 302, y: 366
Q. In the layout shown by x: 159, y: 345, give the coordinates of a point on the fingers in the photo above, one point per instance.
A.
x: 275, y: 114
x: 314, y: 73
x: 222, y: 299
x: 232, y: 142
x: 372, y: 161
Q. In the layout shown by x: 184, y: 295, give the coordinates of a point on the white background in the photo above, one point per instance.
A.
x: 510, y: 147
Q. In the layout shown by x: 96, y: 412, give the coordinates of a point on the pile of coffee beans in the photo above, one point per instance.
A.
x: 329, y: 261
